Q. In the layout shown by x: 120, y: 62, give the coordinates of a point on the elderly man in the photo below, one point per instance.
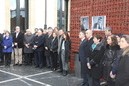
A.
x: 18, y: 45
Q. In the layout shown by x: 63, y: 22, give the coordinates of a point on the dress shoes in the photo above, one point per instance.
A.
x: 65, y: 73
x: 59, y: 70
x: 15, y: 64
x: 20, y: 64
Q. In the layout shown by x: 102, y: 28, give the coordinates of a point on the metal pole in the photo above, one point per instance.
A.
x: 60, y: 15
x: 45, y: 24
x: 17, y: 12
x: 66, y: 16
x: 26, y: 14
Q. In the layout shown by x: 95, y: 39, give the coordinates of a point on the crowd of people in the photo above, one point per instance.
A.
x: 43, y: 48
x: 104, y: 60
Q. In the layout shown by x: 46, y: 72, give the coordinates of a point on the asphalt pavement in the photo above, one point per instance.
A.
x: 31, y: 76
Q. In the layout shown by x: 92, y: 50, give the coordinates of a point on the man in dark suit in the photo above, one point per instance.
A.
x: 83, y: 58
x: 48, y: 40
x: 18, y: 45
x: 89, y: 43
x: 38, y: 46
x: 108, y: 32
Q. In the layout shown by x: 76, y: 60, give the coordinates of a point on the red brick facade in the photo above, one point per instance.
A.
x: 116, y: 12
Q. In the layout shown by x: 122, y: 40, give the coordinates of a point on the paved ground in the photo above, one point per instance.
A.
x: 30, y: 76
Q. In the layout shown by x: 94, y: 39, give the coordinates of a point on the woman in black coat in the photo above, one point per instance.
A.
x: 109, y: 57
x: 122, y: 76
x: 53, y: 51
x: 95, y: 55
x: 65, y: 53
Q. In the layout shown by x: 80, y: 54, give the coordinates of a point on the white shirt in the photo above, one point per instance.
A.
x: 63, y: 45
x: 17, y: 34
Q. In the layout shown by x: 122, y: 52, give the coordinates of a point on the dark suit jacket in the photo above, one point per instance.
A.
x: 82, y: 51
x: 39, y: 41
x: 122, y: 78
x: 18, y: 40
x: 48, y: 41
x: 89, y: 43
x: 54, y: 45
x: 67, y: 45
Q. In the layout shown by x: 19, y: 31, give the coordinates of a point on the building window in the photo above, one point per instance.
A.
x: 19, y: 14
x: 60, y: 14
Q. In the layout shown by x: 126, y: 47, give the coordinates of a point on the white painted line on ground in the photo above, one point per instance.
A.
x: 11, y: 74
x: 51, y: 77
x: 37, y: 82
x: 39, y: 74
x: 9, y: 80
x: 25, y: 77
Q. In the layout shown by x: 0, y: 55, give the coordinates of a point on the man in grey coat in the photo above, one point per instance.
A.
x: 28, y: 51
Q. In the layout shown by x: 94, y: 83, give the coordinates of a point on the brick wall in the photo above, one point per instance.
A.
x: 116, y: 12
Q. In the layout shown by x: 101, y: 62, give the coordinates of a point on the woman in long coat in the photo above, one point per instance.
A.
x: 53, y: 51
x: 122, y: 76
x: 95, y: 56
x: 28, y: 40
x: 65, y: 53
x: 109, y: 57
x: 7, y: 48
